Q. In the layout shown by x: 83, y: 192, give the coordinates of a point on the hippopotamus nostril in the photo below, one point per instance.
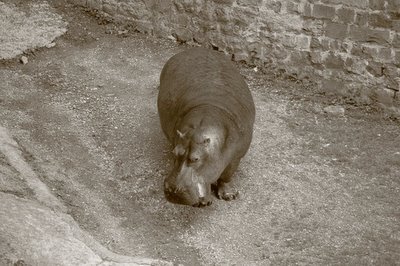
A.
x: 194, y: 158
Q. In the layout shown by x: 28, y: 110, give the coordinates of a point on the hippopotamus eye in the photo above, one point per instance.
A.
x: 206, y: 141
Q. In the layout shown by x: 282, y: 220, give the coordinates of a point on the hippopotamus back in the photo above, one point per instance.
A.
x: 200, y: 76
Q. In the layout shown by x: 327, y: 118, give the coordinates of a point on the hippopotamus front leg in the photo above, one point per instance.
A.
x: 224, y: 189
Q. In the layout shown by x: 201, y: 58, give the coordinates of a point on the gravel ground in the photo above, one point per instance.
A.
x: 319, y: 185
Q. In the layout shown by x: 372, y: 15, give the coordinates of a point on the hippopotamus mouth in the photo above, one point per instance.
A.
x: 187, y: 187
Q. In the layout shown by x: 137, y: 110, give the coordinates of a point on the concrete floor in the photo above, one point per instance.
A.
x: 316, y: 187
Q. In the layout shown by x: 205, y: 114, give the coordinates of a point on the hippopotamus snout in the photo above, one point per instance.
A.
x: 182, y: 198
x: 196, y: 194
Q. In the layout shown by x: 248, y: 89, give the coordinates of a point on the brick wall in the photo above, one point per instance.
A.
x: 347, y: 47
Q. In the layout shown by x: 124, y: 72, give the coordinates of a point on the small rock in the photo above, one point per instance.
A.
x: 334, y: 110
x: 24, y: 60
x: 50, y: 45
x: 121, y: 32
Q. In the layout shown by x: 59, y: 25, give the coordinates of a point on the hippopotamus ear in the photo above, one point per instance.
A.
x: 180, y: 134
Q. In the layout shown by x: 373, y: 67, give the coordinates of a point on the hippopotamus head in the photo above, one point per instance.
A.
x: 197, y: 165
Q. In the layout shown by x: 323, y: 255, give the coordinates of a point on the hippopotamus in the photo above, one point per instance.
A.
x: 207, y: 113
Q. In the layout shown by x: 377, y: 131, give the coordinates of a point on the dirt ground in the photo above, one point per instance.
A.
x: 315, y: 187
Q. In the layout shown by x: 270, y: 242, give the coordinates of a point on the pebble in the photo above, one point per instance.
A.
x: 120, y: 32
x: 334, y: 110
x: 50, y: 45
x: 24, y: 60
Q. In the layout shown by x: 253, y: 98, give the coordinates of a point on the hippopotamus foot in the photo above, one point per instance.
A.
x: 226, y: 192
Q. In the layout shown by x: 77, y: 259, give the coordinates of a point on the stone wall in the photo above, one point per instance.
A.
x: 347, y: 47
